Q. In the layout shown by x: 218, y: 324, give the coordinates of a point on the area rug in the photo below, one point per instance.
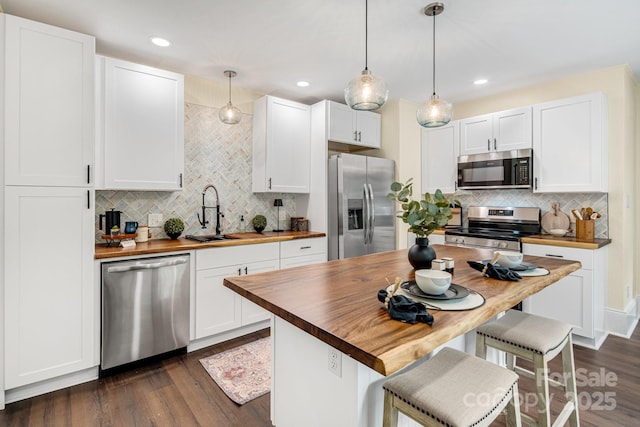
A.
x: 244, y: 372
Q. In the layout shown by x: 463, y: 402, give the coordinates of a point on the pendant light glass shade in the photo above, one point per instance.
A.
x: 366, y: 91
x: 230, y: 114
x: 435, y: 112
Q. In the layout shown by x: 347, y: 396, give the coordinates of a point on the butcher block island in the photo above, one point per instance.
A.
x: 334, y: 343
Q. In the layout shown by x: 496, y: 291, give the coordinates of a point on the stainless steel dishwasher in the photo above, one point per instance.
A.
x: 145, y: 308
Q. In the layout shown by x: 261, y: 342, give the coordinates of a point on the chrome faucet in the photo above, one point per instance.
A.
x: 203, y: 222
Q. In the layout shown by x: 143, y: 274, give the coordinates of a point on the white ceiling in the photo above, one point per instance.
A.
x: 273, y: 44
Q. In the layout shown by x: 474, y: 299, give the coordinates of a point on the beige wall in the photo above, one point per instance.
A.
x: 621, y: 89
x: 216, y: 94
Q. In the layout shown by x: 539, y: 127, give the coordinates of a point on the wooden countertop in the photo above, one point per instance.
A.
x: 569, y: 242
x: 182, y: 244
x: 337, y: 303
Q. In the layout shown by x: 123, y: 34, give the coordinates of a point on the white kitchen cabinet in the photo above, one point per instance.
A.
x: 500, y: 131
x: 217, y: 308
x: 353, y: 127
x: 48, y: 104
x: 570, y: 145
x: 49, y: 292
x: 140, y: 127
x: 294, y: 253
x: 439, y: 151
x: 281, y: 146
x: 578, y: 299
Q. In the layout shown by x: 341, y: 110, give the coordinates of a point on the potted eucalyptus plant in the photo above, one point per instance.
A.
x: 423, y: 216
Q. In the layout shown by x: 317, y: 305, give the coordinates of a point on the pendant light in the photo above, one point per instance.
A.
x: 366, y: 91
x: 230, y: 114
x: 434, y: 112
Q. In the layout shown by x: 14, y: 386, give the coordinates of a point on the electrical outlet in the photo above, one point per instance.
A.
x: 283, y: 216
x: 335, y: 362
x: 154, y: 220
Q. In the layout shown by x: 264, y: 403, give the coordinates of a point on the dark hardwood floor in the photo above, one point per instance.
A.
x: 179, y: 392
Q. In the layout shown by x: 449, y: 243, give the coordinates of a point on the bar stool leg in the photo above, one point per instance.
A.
x: 571, y: 391
x: 390, y: 415
x: 481, y: 346
x: 542, y: 386
x: 513, y: 413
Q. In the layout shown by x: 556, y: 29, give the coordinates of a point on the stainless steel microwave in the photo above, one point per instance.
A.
x: 502, y: 169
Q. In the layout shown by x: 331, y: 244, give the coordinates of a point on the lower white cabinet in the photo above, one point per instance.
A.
x: 217, y: 308
x: 49, y: 292
x: 294, y: 253
x: 439, y: 153
x: 578, y: 299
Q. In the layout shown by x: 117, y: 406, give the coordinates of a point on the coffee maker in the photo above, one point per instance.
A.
x: 112, y: 218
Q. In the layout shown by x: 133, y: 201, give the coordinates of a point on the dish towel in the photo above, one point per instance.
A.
x: 495, y: 272
x: 405, y: 310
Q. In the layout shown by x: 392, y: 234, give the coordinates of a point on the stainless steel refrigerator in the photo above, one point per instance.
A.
x: 361, y: 218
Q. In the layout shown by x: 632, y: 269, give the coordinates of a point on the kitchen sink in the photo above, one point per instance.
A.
x: 203, y: 238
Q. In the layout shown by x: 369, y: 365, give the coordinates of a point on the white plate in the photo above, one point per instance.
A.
x: 534, y: 272
x: 471, y: 301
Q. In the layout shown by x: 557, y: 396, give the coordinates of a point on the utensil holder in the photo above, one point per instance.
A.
x: 585, y: 229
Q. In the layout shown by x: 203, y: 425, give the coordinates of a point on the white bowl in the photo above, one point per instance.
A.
x: 433, y: 282
x: 509, y: 259
x: 558, y: 232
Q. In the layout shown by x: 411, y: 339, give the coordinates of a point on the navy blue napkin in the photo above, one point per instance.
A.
x: 403, y: 309
x: 496, y: 272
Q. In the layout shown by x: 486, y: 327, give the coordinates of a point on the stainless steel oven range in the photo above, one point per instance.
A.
x: 496, y: 227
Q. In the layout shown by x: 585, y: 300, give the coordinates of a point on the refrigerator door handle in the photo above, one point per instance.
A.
x: 365, y: 219
x: 372, y: 214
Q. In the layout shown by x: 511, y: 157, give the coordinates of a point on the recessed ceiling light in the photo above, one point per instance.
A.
x: 303, y: 83
x: 159, y: 41
x: 480, y: 82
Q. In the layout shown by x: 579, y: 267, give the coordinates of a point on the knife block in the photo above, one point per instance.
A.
x: 585, y: 229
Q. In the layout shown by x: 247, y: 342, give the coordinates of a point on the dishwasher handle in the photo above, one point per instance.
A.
x: 148, y: 266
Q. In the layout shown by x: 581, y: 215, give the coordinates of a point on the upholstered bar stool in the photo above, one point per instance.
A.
x: 538, y: 340
x: 452, y: 389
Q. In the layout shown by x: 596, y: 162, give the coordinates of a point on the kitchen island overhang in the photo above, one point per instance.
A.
x: 336, y: 302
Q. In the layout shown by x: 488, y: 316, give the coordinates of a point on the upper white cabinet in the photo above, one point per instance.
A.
x: 570, y: 145
x: 281, y: 146
x: 140, y: 127
x: 439, y: 158
x: 357, y: 128
x: 501, y: 131
x: 48, y: 104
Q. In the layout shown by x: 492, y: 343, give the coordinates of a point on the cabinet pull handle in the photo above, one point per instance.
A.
x: 554, y: 255
x: 240, y: 271
x: 495, y: 144
x: 246, y: 270
x: 535, y: 183
x: 359, y: 136
x: 488, y: 144
x: 355, y: 135
x: 180, y: 180
x: 88, y: 174
x: 88, y: 199
x: 305, y: 247
x: 269, y: 183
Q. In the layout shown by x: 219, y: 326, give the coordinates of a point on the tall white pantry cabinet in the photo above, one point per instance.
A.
x: 48, y: 196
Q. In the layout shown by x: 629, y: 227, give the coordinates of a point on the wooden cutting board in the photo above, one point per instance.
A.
x: 555, y: 219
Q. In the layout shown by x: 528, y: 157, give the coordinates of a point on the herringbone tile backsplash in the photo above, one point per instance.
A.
x: 215, y: 153
x: 526, y: 198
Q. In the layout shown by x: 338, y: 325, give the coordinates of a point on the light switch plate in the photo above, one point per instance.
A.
x: 155, y: 220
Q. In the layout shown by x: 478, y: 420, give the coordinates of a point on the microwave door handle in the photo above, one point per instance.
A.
x: 372, y: 214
